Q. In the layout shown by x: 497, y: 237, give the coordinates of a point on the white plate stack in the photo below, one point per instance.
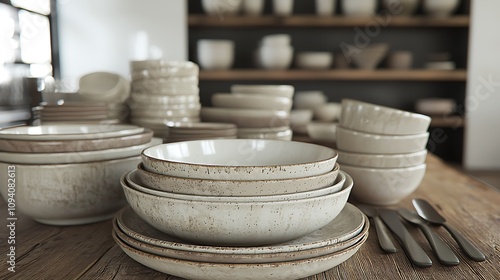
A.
x: 164, y: 92
x: 259, y: 111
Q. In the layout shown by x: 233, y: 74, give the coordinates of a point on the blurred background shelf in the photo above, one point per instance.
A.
x: 343, y: 75
x: 448, y: 121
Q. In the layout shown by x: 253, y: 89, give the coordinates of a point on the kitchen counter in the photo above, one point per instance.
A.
x: 89, y: 252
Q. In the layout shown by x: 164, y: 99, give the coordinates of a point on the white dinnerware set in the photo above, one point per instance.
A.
x: 239, y: 209
x: 259, y: 111
x: 69, y: 174
x: 383, y: 149
x: 164, y: 93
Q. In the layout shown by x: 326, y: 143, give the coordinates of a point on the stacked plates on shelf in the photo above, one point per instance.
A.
x: 164, y: 92
x: 259, y: 111
x: 69, y: 174
x: 243, y: 188
x: 200, y: 131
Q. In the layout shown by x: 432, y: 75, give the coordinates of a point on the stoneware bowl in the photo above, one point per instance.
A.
x: 239, y: 159
x: 253, y: 7
x: 309, y: 99
x: 215, y: 54
x: 384, y: 186
x: 372, y: 118
x: 443, y: 8
x: 328, y: 112
x: 275, y: 57
x: 382, y: 161
x: 368, y: 143
x: 314, y: 60
x: 237, y: 223
x: 276, y: 40
x: 279, y: 90
x: 246, y: 118
x: 68, y: 194
x: 369, y: 57
x: 257, y: 101
x: 322, y: 131
x: 233, y: 187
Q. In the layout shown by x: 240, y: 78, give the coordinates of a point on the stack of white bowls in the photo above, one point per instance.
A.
x: 164, y: 92
x: 196, y: 204
x: 199, y: 131
x: 275, y: 52
x: 69, y: 174
x: 259, y: 111
x: 383, y: 149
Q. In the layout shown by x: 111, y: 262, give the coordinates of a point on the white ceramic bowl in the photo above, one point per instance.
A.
x: 68, y: 194
x: 369, y: 57
x: 221, y: 7
x: 275, y: 57
x: 435, y: 106
x: 239, y: 159
x: 442, y: 8
x: 246, y: 118
x: 256, y: 101
x: 440, y: 65
x: 360, y: 142
x: 279, y: 90
x: 184, y: 185
x: 237, y: 223
x: 286, y: 134
x: 300, y: 117
x: 328, y: 112
x: 215, y: 54
x: 276, y: 40
x: 382, y: 161
x: 384, y: 186
x: 103, y: 86
x: 371, y: 118
x: 314, y: 60
x: 325, y: 7
x: 359, y: 7
x: 283, y: 7
x: 321, y: 131
x: 309, y: 99
x: 400, y: 60
x: 253, y: 7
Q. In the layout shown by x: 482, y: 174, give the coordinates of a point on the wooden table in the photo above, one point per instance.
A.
x: 89, y: 252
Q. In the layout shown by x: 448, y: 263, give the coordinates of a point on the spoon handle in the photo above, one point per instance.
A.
x: 383, y: 236
x: 466, y: 245
x: 442, y: 250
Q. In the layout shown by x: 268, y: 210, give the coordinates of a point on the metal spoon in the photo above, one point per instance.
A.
x: 384, y: 240
x: 443, y: 251
x: 428, y: 213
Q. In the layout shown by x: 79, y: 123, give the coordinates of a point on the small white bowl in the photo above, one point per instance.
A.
x: 442, y: 8
x: 255, y: 101
x: 246, y: 118
x: 221, y: 7
x: 103, y: 86
x: 382, y: 161
x: 215, y: 54
x: 309, y: 99
x: 440, y: 65
x: 371, y: 118
x: 321, y: 131
x: 253, y: 7
x: 283, y: 7
x: 279, y: 90
x: 384, y: 186
x: 276, y: 57
x: 266, y: 133
x: 325, y: 7
x: 239, y: 159
x: 300, y: 117
x: 360, y: 142
x: 276, y: 40
x: 328, y: 112
x: 314, y: 60
x: 359, y: 8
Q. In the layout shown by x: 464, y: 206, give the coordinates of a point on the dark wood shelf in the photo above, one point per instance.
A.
x: 200, y: 21
x: 448, y: 121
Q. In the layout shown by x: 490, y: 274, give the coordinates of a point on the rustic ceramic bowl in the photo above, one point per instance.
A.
x: 359, y: 7
x: 257, y: 101
x: 384, y: 186
x: 368, y: 143
x: 236, y: 222
x: 246, y: 118
x: 279, y: 90
x: 200, y: 187
x: 68, y: 194
x: 382, y: 161
x: 369, y: 57
x: 239, y: 159
x: 371, y: 118
x: 443, y: 8
x: 275, y: 57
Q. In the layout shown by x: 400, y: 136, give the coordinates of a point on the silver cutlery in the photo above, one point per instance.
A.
x: 428, y: 213
x: 384, y: 240
x: 442, y: 250
x: 414, y: 252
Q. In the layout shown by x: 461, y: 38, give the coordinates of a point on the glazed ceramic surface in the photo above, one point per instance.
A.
x: 382, y: 161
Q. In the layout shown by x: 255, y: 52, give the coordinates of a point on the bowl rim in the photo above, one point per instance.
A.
x: 402, y: 113
x: 386, y: 170
x: 381, y: 136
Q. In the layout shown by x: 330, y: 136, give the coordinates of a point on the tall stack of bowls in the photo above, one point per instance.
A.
x: 383, y: 149
x: 69, y: 174
x: 164, y: 92
x: 223, y: 194
x: 259, y: 111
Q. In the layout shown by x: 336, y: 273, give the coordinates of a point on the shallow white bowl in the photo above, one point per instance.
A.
x: 328, y: 112
x: 68, y: 194
x: 103, y: 86
x: 360, y: 142
x: 371, y: 118
x: 382, y: 161
x: 359, y: 7
x: 256, y: 101
x: 285, y: 135
x: 309, y: 99
x: 276, y: 40
x: 239, y: 159
x: 237, y: 223
x: 442, y: 8
x: 246, y: 118
x: 322, y: 131
x: 279, y: 90
x: 221, y: 7
x: 384, y: 186
x: 314, y: 60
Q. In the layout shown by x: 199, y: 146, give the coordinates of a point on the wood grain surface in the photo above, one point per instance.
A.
x: 89, y: 252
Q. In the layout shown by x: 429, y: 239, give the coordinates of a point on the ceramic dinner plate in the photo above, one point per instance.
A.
x: 348, y: 224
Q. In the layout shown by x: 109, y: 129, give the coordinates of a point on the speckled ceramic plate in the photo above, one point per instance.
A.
x: 348, y: 224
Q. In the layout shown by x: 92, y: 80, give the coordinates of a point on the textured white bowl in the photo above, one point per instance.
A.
x: 314, y: 60
x: 322, y: 131
x: 382, y: 161
x: 68, y: 194
x: 103, y: 86
x: 215, y: 54
x: 359, y: 7
x: 192, y: 186
x: 257, y: 101
x: 442, y: 8
x: 360, y: 142
x: 371, y: 118
x: 384, y: 186
x: 239, y: 159
x: 246, y: 118
x: 237, y: 223
x: 279, y: 90
x: 275, y: 57
x: 328, y: 112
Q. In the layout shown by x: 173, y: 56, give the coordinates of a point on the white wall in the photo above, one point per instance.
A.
x: 104, y: 35
x: 482, y: 134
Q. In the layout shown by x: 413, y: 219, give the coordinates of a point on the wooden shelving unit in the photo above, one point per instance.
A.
x: 448, y: 121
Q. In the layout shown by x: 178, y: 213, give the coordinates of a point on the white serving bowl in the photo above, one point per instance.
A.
x: 275, y: 57
x: 253, y: 7
x: 237, y: 223
x: 322, y: 131
x: 359, y: 7
x: 103, y: 86
x: 442, y: 8
x: 215, y: 54
x: 221, y: 7
x: 68, y: 194
x: 279, y: 90
x: 382, y: 161
x: 314, y: 60
x: 194, y: 186
x: 371, y: 118
x: 255, y: 101
x: 360, y: 142
x: 309, y: 99
x: 276, y: 40
x: 328, y: 112
x: 384, y: 186
x: 239, y: 159
x: 246, y: 118
x: 300, y: 117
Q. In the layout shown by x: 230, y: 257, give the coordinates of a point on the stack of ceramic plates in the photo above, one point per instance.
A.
x: 199, y: 131
x: 75, y: 112
x: 259, y: 111
x: 164, y: 92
